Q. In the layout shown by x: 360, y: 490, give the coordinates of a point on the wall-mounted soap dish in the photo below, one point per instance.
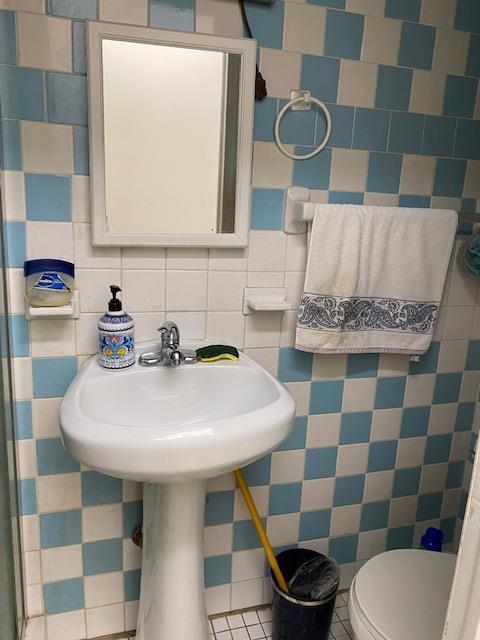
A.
x: 70, y: 310
x: 265, y: 299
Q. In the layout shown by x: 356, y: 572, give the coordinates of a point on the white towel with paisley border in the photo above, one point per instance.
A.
x: 375, y: 278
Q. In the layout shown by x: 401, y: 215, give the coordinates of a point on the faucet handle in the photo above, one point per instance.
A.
x: 170, y: 334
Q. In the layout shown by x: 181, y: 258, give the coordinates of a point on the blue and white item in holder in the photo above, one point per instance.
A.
x: 48, y: 282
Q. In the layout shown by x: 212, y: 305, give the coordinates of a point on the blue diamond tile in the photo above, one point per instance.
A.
x: 416, y: 46
x: 348, y: 490
x: 344, y: 34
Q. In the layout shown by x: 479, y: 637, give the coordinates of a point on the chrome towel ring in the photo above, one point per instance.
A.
x: 302, y: 103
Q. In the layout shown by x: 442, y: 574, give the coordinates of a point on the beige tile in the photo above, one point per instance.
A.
x: 427, y: 92
x: 451, y: 51
x: 218, y: 17
x: 44, y: 42
x: 53, y: 239
x: 281, y: 69
x: 417, y: 175
x: 124, y: 11
x: 348, y: 170
x: 357, y: 83
x: 47, y: 147
x: 381, y: 40
x: 439, y: 13
x: 472, y: 180
x: 67, y: 626
x: 270, y: 167
x: 62, y: 563
x: 304, y: 28
x: 102, y: 621
x: 33, y: 6
x: 369, y: 7
x: 59, y: 492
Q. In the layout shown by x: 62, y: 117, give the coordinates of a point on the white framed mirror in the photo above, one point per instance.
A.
x: 171, y: 118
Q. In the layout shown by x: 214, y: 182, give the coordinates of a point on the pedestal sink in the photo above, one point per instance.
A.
x: 172, y: 429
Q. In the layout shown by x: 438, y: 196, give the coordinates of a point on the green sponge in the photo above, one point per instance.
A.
x: 215, y: 352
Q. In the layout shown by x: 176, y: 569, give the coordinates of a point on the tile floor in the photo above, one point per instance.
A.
x: 257, y: 625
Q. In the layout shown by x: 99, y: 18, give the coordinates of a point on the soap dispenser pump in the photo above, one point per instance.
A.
x: 116, y: 335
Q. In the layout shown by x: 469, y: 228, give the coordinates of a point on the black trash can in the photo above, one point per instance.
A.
x: 297, y: 619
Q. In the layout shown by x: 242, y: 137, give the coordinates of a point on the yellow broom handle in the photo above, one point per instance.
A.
x: 260, y: 530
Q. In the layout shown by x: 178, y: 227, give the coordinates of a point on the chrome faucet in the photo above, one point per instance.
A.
x: 169, y: 353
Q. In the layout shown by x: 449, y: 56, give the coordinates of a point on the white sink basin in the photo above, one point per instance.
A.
x: 164, y: 424
x: 172, y: 428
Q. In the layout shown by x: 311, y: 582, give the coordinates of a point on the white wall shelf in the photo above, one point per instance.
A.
x: 265, y: 299
x: 70, y: 310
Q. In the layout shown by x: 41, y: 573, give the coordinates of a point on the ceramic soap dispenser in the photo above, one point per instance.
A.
x: 116, y: 335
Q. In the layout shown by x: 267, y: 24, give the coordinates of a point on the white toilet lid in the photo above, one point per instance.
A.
x: 404, y: 593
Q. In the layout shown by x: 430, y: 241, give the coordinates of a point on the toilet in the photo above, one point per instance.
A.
x: 401, y: 594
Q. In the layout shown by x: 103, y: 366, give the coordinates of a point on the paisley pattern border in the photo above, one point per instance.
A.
x: 331, y: 313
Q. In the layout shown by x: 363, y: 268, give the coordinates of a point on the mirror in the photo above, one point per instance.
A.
x: 171, y: 118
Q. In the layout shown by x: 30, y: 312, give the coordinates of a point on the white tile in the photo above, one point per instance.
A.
x: 263, y: 330
x: 94, y: 285
x: 101, y: 522
x: 88, y: 256
x: 270, y: 167
x: 266, y: 358
x: 227, y: 259
x: 345, y: 520
x: 440, y: 202
x: 102, y: 621
x: 46, y: 147
x: 428, y: 89
x: 260, y: 496
x: 143, y: 290
x: 386, y: 424
x: 393, y: 364
x: 218, y: 599
x: 458, y: 323
x: 14, y: 195
x: 381, y: 199
x: 50, y: 239
x: 359, y: 394
x: 30, y: 532
x: 469, y: 388
x: 417, y: 175
x: 419, y: 390
x: 131, y: 555
x: 370, y: 7
x: 67, y: 626
x: 247, y: 565
x: 433, y: 477
x: 452, y: 355
x: 145, y: 258
x: 323, y: 430
x: 410, y: 452
x: 304, y: 28
x: 34, y: 6
x: 34, y: 601
x: 402, y: 511
x: 186, y: 290
x: 463, y: 289
x: 16, y: 289
x: 31, y: 567
x: 288, y: 329
x: 103, y: 589
x: 246, y: 594
x: 132, y: 491
x: 301, y: 393
x: 52, y: 337
x: 235, y: 621
x: 256, y: 632
x: 348, y: 170
x: 378, y: 486
x: 472, y: 179
x: 44, y: 42
x: 381, y: 40
x: 219, y: 624
x: 225, y: 290
x: 86, y: 334
x: 329, y: 366
x: 265, y: 278
x: 27, y: 463
x: 22, y: 378
x: 267, y: 251
x: 226, y: 327
x: 217, y: 539
x: 131, y: 614
x: 225, y: 482
x: 283, y: 529
x: 296, y: 259
x: 59, y: 492
x: 186, y: 258
x: 192, y: 324
x: 45, y: 418
x: 370, y: 543
x: 124, y: 11
x: 287, y: 466
x: 218, y: 17
x: 317, y: 494
x: 62, y: 563
x: 438, y: 14
x: 352, y: 459
x: 80, y: 199
x: 451, y: 51
x: 459, y: 449
x: 294, y: 283
x: 282, y: 69
x: 357, y: 83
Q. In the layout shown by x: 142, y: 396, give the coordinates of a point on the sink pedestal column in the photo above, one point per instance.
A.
x: 172, y: 597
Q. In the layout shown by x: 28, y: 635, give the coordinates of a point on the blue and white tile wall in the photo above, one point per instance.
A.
x: 379, y: 445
